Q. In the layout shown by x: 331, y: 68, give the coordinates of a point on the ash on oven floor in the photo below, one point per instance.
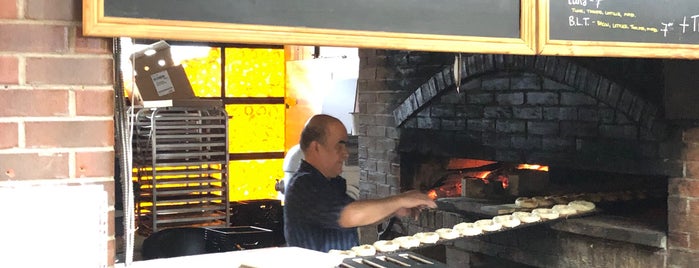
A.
x: 406, y: 259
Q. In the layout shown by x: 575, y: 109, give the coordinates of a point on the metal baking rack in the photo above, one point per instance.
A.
x: 391, y: 260
x: 504, y: 229
x: 180, y: 163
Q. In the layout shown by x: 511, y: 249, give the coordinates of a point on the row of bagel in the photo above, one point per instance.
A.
x: 465, y: 229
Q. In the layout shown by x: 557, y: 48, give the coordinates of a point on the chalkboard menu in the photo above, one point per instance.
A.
x: 503, y: 26
x: 637, y: 27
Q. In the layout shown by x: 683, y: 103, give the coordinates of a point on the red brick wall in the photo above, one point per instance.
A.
x: 683, y: 207
x: 56, y: 99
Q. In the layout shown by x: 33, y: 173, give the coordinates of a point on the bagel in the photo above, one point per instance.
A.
x: 447, y: 233
x: 407, y: 241
x: 582, y: 205
x: 364, y: 250
x: 468, y: 229
x: 427, y: 237
x: 560, y: 200
x: 507, y: 220
x: 526, y: 217
x: 546, y: 213
x: 526, y: 202
x: 543, y: 201
x: 386, y: 245
x: 488, y: 225
x: 348, y: 253
x: 564, y: 210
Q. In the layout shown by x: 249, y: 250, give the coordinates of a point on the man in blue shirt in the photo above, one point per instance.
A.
x: 318, y: 213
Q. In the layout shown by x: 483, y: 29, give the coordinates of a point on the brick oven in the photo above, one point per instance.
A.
x: 598, y: 124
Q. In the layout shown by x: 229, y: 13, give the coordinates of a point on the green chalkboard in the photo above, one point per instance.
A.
x: 638, y: 21
x: 484, y: 26
x: 485, y: 18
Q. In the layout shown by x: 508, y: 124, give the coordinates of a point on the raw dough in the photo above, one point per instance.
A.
x: 407, y: 241
x: 427, y: 237
x: 468, y: 229
x: 364, y: 250
x: 386, y: 245
x: 507, y: 220
x: 447, y: 233
x: 488, y: 225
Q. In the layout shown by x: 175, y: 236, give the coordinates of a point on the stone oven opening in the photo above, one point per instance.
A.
x: 594, y: 128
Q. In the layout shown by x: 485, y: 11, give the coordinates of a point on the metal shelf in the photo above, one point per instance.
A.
x: 181, y: 167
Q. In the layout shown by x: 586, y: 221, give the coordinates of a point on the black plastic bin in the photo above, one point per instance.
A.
x: 238, y: 238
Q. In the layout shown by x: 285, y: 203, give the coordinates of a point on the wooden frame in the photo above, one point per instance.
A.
x: 95, y: 23
x: 548, y: 46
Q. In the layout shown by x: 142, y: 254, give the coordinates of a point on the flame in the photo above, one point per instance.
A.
x: 504, y: 180
x: 432, y: 194
x: 533, y: 167
x: 482, y: 174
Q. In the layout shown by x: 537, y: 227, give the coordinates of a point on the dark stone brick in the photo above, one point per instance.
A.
x: 510, y: 126
x: 576, y: 99
x: 502, y: 83
x: 421, y: 100
x: 560, y: 113
x: 571, y: 73
x: 529, y: 62
x: 471, y: 111
x: 509, y: 62
x: 509, y: 156
x: 482, y: 98
x: 588, y: 114
x: 448, y: 77
x: 428, y: 123
x: 480, y: 68
x: 542, y: 128
x: 489, y: 63
x: 452, y: 97
x: 526, y: 82
x: 517, y: 62
x: 527, y: 113
x: 439, y: 81
x: 453, y: 124
x: 581, y: 81
x: 470, y: 85
x: 494, y: 112
x: 578, y: 129
x: 510, y: 98
x: 614, y: 94
x: 557, y: 144
x: 551, y: 85
x: 551, y: 66
x: 471, y: 67
x: 606, y: 115
x: 619, y: 132
x: 481, y: 125
x: 499, y: 61
x: 636, y: 109
x: 592, y: 83
x: 540, y: 63
x: 626, y: 101
x: 442, y: 110
x: 526, y: 143
x: 542, y: 98
x: 560, y: 70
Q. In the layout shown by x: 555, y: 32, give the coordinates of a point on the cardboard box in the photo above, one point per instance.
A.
x: 160, y: 82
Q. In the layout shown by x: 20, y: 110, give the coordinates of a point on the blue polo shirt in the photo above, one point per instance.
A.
x: 312, y: 206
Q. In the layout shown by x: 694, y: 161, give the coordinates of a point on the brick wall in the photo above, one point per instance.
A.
x: 56, y: 101
x: 389, y: 79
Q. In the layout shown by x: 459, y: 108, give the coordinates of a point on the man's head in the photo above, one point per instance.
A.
x: 324, y: 144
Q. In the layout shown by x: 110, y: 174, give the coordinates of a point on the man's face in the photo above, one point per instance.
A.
x: 334, y: 151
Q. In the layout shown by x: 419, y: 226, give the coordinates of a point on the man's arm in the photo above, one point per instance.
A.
x: 365, y: 212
